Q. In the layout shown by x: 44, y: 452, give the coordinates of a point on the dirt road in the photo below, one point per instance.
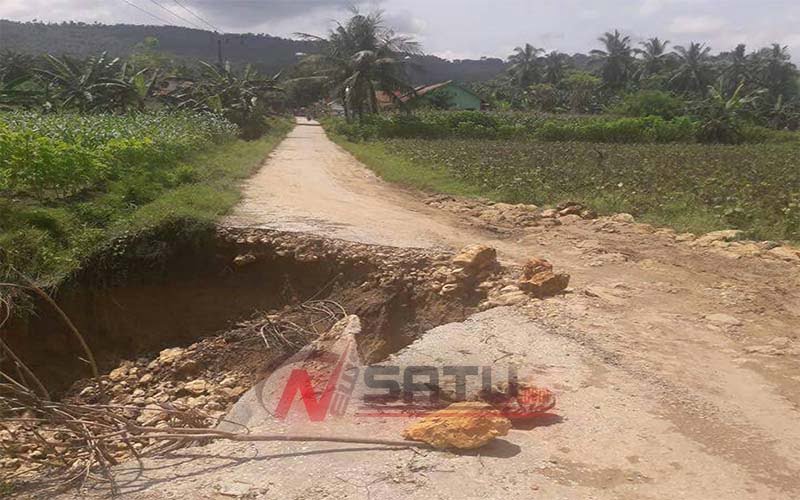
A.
x: 676, y: 366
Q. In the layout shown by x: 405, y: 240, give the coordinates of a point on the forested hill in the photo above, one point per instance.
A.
x: 270, y: 54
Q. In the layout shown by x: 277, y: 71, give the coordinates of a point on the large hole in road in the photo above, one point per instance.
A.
x: 161, y: 290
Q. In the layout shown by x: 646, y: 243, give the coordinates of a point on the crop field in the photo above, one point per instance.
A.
x: 691, y: 187
x: 70, y: 182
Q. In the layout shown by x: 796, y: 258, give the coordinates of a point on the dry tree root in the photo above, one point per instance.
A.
x: 85, y: 442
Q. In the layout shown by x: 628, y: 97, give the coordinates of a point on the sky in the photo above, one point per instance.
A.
x: 461, y: 29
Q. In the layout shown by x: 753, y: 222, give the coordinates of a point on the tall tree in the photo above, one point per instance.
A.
x: 777, y: 73
x: 525, y: 65
x: 738, y: 68
x: 653, y: 57
x: 694, y: 73
x: 555, y: 66
x: 616, y: 59
x: 361, y: 57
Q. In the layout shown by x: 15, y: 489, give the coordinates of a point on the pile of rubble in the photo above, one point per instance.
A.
x: 496, y: 215
x: 475, y: 270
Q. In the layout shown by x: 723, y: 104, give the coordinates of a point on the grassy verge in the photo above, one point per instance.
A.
x: 396, y: 169
x: 694, y: 187
x: 51, y: 239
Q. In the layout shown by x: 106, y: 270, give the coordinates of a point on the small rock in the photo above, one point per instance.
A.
x: 550, y: 213
x: 244, y: 260
x: 746, y: 249
x: 683, y: 237
x: 725, y: 236
x: 146, y: 378
x: 168, y: 356
x: 235, y: 489
x: 509, y: 299
x: 449, y: 288
x: 235, y: 392
x: 569, y: 219
x: 588, y: 214
x: 623, y: 218
x: 228, y: 382
x: 467, y: 425
x: 188, y: 367
x: 785, y: 253
x: 196, y: 387
x: 118, y: 374
x: 569, y: 208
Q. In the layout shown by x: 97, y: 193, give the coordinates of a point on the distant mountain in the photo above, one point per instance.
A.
x: 268, y: 53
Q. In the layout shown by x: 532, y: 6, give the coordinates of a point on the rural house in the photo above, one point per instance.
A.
x: 448, y: 95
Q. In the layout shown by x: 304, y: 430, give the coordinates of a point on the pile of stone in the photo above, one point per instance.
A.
x: 178, y: 377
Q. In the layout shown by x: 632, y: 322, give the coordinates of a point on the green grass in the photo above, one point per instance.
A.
x: 49, y: 239
x: 690, y: 187
x: 396, y: 169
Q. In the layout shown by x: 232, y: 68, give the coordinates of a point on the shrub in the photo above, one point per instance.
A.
x: 651, y: 103
x: 514, y: 125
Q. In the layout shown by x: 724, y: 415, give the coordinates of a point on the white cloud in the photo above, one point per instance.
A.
x: 686, y: 25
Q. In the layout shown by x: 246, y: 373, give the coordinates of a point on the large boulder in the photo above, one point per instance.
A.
x: 465, y: 426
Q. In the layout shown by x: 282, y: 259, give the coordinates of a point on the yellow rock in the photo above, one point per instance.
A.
x: 464, y: 426
x: 476, y: 257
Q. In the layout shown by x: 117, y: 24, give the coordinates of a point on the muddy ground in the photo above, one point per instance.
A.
x: 674, y: 357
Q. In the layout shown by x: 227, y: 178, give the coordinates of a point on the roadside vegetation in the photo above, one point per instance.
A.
x: 75, y: 183
x: 96, y: 149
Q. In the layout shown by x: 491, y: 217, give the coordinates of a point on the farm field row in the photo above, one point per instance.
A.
x: 691, y: 187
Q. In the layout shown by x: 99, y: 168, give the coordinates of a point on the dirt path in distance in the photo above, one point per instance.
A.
x: 676, y: 365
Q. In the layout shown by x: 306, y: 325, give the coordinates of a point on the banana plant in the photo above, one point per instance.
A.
x: 90, y: 85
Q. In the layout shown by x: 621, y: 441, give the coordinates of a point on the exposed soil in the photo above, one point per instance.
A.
x: 201, y: 289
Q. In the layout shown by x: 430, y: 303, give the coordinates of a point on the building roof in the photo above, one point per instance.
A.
x: 427, y: 89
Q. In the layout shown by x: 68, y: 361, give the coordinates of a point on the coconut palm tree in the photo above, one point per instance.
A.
x: 694, y: 73
x: 555, y: 66
x: 738, y: 68
x: 616, y: 59
x: 653, y: 57
x: 777, y: 73
x: 360, y: 57
x: 525, y: 66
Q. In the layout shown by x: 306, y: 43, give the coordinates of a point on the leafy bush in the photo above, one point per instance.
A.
x: 651, y: 103
x: 539, y: 126
x: 58, y: 155
x: 623, y: 130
